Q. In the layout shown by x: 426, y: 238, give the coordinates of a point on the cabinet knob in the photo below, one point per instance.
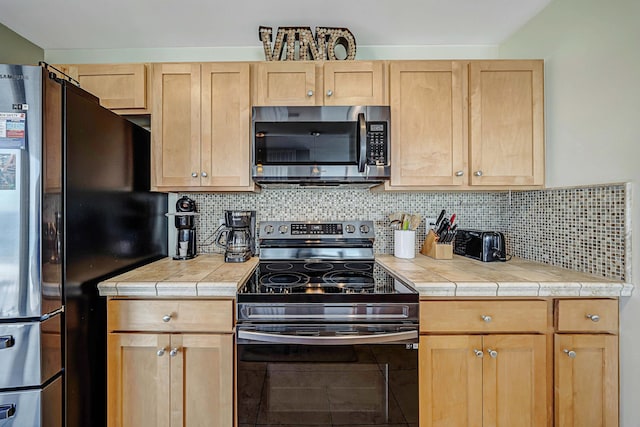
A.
x: 570, y: 353
x: 492, y: 353
x: 310, y: 93
x: 329, y: 92
x: 479, y: 354
x: 487, y: 319
x: 160, y: 352
x: 204, y: 174
x: 166, y: 318
x: 459, y: 173
x: 593, y: 317
x: 174, y: 351
x: 194, y: 174
x: 478, y: 173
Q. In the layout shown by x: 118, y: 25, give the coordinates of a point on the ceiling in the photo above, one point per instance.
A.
x: 120, y: 24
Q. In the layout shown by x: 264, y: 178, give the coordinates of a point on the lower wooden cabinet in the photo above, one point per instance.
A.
x: 490, y: 380
x: 170, y: 363
x: 178, y: 380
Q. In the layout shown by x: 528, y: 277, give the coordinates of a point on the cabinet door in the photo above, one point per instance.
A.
x: 586, y: 380
x: 287, y: 83
x: 450, y: 381
x: 138, y: 380
x: 514, y: 380
x: 226, y: 122
x: 202, y: 381
x: 427, y: 106
x: 354, y: 83
x: 119, y: 86
x: 175, y: 128
x: 506, y: 123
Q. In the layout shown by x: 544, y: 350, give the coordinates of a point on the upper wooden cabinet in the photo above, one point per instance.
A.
x: 427, y: 129
x: 506, y: 101
x: 459, y: 124
x: 200, y: 127
x: 120, y: 87
x: 293, y: 83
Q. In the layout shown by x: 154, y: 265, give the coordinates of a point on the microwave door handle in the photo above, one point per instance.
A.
x: 362, y: 142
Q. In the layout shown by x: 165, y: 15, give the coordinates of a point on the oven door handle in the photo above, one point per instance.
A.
x: 328, y: 340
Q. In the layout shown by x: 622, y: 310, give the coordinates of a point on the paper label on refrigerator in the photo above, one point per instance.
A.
x: 7, y: 171
x: 13, y: 130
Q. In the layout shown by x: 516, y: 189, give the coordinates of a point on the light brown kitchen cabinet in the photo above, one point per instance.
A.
x: 178, y: 379
x: 506, y: 125
x: 466, y: 124
x: 586, y: 363
x: 427, y: 133
x: 486, y: 379
x: 120, y: 87
x: 317, y: 83
x: 200, y: 127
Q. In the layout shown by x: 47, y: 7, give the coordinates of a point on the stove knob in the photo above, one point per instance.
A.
x: 364, y: 229
x: 283, y: 229
x: 350, y: 228
x: 268, y: 229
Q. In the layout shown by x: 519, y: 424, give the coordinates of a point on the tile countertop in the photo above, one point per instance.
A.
x: 206, y: 275
x: 465, y: 277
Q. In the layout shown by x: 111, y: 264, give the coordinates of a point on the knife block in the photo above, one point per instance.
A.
x: 433, y: 249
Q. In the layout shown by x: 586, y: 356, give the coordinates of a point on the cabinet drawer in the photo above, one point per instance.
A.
x: 587, y: 315
x: 483, y: 316
x: 170, y: 316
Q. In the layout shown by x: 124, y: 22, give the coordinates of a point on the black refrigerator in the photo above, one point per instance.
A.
x: 76, y: 208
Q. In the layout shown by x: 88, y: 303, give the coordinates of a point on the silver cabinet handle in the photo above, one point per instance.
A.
x: 160, y: 352
x: 174, y: 351
x: 478, y: 173
x: 570, y: 353
x: 166, y: 318
x: 593, y: 317
x: 459, y: 173
x: 194, y: 174
x: 204, y: 174
x: 487, y: 319
x: 479, y: 354
x: 310, y: 93
x: 329, y: 92
x: 492, y: 353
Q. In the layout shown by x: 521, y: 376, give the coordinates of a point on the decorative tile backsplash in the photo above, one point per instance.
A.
x: 582, y: 229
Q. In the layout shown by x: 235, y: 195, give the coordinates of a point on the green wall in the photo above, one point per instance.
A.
x: 15, y: 49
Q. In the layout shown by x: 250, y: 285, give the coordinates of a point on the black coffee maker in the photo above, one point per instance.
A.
x: 237, y: 239
x: 185, y: 223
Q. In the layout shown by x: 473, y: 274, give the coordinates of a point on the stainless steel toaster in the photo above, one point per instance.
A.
x: 481, y: 245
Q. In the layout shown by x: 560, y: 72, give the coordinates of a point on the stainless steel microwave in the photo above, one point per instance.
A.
x: 321, y: 145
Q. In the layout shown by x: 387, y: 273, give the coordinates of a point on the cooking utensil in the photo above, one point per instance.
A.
x: 414, y: 221
x: 440, y: 217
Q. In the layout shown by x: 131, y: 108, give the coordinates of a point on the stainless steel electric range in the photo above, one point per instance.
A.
x: 325, y: 337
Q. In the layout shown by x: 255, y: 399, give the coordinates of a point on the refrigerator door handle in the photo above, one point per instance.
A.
x: 7, y: 411
x: 7, y: 341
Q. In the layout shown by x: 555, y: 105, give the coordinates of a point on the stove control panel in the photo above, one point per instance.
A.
x: 333, y: 229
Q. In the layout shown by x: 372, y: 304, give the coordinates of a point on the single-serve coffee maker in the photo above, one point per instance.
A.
x: 237, y: 238
x: 185, y: 223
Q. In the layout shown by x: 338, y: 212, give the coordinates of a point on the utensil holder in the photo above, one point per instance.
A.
x: 433, y: 249
x: 404, y: 243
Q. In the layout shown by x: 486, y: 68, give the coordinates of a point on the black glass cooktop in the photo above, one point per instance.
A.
x: 320, y: 281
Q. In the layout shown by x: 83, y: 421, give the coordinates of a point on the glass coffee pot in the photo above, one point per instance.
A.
x: 237, y: 237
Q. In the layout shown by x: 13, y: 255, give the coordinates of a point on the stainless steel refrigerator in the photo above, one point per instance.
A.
x: 75, y: 208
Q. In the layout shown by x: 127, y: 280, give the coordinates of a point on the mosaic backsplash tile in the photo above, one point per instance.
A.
x: 582, y: 229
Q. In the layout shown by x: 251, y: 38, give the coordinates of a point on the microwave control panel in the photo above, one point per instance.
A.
x: 377, y: 143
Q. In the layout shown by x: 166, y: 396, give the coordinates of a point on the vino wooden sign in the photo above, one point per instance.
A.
x: 309, y: 47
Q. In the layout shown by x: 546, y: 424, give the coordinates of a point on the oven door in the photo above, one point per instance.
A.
x: 324, y: 378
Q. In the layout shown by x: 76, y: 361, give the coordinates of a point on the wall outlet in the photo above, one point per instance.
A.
x: 430, y: 223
